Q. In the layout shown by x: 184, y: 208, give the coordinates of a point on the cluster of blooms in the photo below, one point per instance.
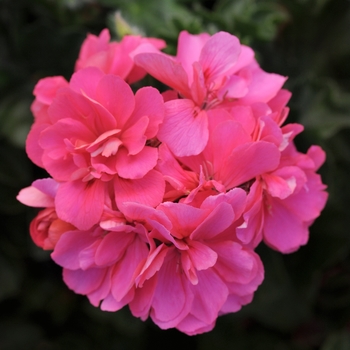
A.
x: 157, y: 201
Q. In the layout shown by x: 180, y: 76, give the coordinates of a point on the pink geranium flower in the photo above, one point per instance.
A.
x: 46, y: 228
x: 102, y: 263
x: 44, y: 91
x: 217, y: 71
x: 282, y: 204
x: 231, y: 159
x: 95, y: 145
x: 114, y: 57
x: 158, y: 201
x: 195, y: 261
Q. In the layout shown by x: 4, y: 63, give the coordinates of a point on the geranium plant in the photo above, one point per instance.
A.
x: 158, y: 200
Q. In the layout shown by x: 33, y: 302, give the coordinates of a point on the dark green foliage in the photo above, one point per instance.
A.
x: 304, y: 302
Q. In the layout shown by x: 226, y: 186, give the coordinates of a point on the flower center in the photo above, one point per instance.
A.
x: 106, y: 144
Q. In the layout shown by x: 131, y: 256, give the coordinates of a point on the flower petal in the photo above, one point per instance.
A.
x: 165, y: 69
x: 117, y: 97
x: 136, y: 166
x: 148, y: 190
x: 219, y: 55
x: 185, y: 128
x: 168, y: 312
x: 80, y: 203
x: 148, y: 102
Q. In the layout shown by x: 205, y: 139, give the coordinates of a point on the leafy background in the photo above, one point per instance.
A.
x: 304, y: 302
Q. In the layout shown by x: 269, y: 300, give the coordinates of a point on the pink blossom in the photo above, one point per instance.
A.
x: 158, y: 201
x: 231, y: 159
x: 218, y: 71
x: 283, y: 204
x: 196, y: 261
x: 102, y: 262
x: 114, y: 57
x: 44, y: 91
x: 46, y: 228
x: 96, y: 141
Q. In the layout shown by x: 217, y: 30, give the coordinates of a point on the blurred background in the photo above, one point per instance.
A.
x: 304, y: 301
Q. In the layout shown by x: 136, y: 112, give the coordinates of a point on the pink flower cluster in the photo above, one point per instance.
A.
x: 157, y: 201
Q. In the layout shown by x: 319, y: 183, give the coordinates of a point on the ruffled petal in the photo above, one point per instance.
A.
x: 80, y: 203
x: 148, y: 102
x: 148, y: 190
x: 219, y: 55
x: 165, y: 69
x: 185, y: 128
x: 209, y: 296
x: 70, y: 245
x: 168, y: 312
x: 116, y: 96
x: 138, y: 165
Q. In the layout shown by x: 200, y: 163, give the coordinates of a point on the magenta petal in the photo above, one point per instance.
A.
x: 134, y: 138
x: 318, y: 155
x: 161, y: 234
x: 210, y: 295
x: 32, y: 197
x: 180, y: 179
x: 86, y: 80
x: 84, y: 282
x: 234, y: 87
x: 245, y: 58
x: 102, y: 291
x: 58, y: 142
x: 91, y: 46
x: 33, y: 148
x: 136, y: 166
x: 263, y: 86
x: 224, y: 139
x: 168, y: 312
x: 185, y: 128
x: 152, y: 265
x: 112, y: 247
x: 148, y: 190
x: 188, y: 57
x: 216, y: 222
x: 41, y: 194
x: 117, y: 97
x: 165, y: 69
x: 283, y: 230
x: 198, y: 88
x: 248, y: 161
x: 191, y: 325
x: 219, y: 55
x: 310, y: 200
x: 235, y: 264
x: 284, y: 181
x: 235, y: 197
x: 148, y: 102
x: 201, y: 255
x: 126, y: 269
x: 112, y: 305
x: 53, y: 138
x: 69, y: 246
x: 141, y: 213
x: 80, y: 203
x: 72, y: 105
x: 142, y: 302
x: 69, y: 104
x: 184, y: 218
x: 87, y: 256
x: 48, y: 186
x: 46, y: 88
